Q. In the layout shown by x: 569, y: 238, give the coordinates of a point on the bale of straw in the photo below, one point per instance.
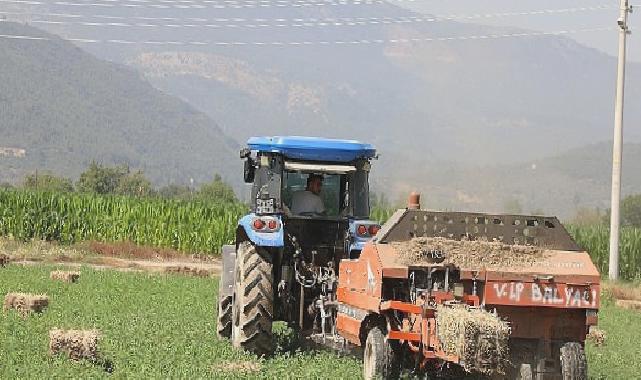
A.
x: 596, y: 336
x: 479, y: 338
x: 4, y: 260
x: 77, y: 344
x: 25, y: 303
x: 66, y: 276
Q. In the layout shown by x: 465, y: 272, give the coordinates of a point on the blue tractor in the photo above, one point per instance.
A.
x: 284, y: 263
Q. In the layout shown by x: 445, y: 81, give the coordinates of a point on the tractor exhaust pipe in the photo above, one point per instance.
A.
x: 414, y: 201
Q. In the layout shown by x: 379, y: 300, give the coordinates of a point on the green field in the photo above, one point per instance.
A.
x: 162, y: 326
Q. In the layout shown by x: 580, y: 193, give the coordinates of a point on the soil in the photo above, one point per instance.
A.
x: 467, y: 254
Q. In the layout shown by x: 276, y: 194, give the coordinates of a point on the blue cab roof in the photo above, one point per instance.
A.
x: 313, y: 148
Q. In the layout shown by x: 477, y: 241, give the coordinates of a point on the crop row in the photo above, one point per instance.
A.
x: 596, y: 240
x: 194, y: 226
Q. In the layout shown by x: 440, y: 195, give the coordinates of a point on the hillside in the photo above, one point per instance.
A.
x: 62, y: 108
x: 558, y: 185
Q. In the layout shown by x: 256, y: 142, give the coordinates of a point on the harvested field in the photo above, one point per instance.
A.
x: 477, y: 337
x: 467, y: 254
x: 77, y: 344
x: 25, y: 303
x: 65, y: 276
x: 153, y: 326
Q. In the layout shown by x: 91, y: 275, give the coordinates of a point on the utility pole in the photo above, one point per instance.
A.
x: 617, y: 149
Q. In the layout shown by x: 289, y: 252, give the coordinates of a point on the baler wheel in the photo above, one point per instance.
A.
x: 252, y: 310
x: 574, y: 365
x: 378, y: 357
x: 223, y: 328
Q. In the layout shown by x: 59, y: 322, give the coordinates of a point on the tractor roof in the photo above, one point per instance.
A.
x: 313, y: 148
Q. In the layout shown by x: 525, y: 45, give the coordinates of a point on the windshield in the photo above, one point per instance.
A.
x: 302, y: 197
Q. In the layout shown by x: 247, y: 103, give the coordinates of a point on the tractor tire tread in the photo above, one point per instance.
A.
x: 254, y: 292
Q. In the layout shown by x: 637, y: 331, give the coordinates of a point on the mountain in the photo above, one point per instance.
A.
x: 558, y: 185
x: 62, y: 108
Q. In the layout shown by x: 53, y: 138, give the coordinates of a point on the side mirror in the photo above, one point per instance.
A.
x: 249, y: 170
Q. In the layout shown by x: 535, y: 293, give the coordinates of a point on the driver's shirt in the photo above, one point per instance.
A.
x: 306, y: 202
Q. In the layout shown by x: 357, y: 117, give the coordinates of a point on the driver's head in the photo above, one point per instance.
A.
x: 314, y: 183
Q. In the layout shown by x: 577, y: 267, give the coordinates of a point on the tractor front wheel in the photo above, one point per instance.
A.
x: 378, y: 355
x: 574, y: 365
x: 253, y: 300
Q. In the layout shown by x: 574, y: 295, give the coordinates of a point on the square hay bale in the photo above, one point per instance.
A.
x: 479, y: 338
x: 4, y: 260
x: 77, y: 344
x: 65, y: 276
x: 25, y: 303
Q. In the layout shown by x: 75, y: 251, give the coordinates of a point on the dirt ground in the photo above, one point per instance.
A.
x: 118, y: 256
x: 467, y: 254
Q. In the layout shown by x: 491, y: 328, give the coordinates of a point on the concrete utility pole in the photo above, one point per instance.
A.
x: 617, y: 149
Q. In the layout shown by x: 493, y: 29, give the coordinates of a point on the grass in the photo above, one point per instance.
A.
x: 154, y: 326
x: 162, y: 326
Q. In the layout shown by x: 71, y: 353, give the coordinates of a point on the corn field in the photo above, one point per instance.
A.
x: 188, y: 226
x: 596, y: 240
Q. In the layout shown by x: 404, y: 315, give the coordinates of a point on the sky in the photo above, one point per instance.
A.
x: 606, y: 41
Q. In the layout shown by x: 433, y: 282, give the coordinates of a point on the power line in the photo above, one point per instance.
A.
x: 315, y: 43
x: 281, y: 22
x: 209, y: 4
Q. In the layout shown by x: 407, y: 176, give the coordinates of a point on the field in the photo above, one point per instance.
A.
x: 158, y: 325
x: 201, y: 227
x: 153, y: 326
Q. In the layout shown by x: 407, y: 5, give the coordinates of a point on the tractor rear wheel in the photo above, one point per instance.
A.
x: 223, y: 328
x: 378, y: 356
x: 253, y: 302
x: 574, y: 365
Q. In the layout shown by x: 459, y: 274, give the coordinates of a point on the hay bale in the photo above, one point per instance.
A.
x: 596, y: 336
x: 77, y: 344
x: 477, y: 337
x: 66, y: 276
x: 4, y: 260
x: 25, y: 303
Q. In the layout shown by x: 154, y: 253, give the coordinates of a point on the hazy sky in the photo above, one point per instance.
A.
x: 606, y: 41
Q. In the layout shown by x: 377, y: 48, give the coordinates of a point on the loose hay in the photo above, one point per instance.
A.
x: 191, y: 271
x: 77, y: 344
x: 468, y: 254
x: 477, y: 337
x: 25, y: 303
x: 596, y: 336
x: 66, y: 276
x: 238, y: 366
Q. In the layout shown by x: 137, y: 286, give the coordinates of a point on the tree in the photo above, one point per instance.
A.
x: 119, y: 179
x: 47, y: 182
x: 101, y: 179
x: 217, y: 190
x: 174, y: 191
x: 134, y: 184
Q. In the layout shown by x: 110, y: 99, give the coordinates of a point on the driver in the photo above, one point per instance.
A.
x: 308, y: 201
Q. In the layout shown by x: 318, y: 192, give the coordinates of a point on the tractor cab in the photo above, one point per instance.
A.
x: 280, y: 170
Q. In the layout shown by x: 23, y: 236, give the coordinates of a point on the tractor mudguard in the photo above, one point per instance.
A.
x: 263, y: 239
x: 226, y: 285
